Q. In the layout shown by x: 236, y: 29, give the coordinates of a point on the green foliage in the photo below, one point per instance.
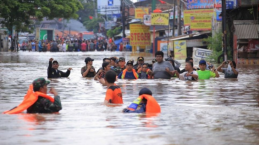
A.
x: 17, y: 13
x: 113, y: 32
x: 93, y: 25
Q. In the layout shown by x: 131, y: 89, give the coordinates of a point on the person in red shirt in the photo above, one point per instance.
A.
x: 121, y: 46
x: 83, y: 46
x: 113, y: 93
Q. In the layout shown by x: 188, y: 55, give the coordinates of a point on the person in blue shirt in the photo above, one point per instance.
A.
x: 33, y: 46
x: 128, y: 47
x: 129, y: 72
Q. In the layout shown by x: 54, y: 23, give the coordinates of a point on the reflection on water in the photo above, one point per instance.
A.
x: 216, y: 111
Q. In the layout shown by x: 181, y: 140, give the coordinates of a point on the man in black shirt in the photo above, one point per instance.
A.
x: 53, y: 71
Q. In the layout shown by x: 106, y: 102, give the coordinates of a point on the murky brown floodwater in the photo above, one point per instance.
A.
x: 214, y: 112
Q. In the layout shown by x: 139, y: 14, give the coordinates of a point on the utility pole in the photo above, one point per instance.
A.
x: 95, y: 9
x: 224, y: 30
x: 154, y: 28
x: 179, y: 19
x: 174, y: 20
x: 123, y: 18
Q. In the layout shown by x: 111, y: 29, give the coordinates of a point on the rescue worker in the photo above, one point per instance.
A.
x: 140, y: 62
x: 88, y: 70
x: 144, y: 72
x: 145, y: 103
x: 129, y: 72
x: 113, y: 93
x: 53, y: 71
x: 121, y: 66
x: 37, y: 101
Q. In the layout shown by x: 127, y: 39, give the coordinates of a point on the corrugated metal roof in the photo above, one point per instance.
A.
x: 247, y: 31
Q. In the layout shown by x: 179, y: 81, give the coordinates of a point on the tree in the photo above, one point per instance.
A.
x: 93, y: 25
x: 113, y: 32
x: 18, y: 13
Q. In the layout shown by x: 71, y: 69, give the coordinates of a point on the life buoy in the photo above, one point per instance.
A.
x: 29, y: 99
x: 151, y: 107
x: 124, y: 73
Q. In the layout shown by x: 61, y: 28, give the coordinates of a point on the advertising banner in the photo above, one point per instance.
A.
x: 140, y: 12
x: 200, y: 19
x: 180, y: 52
x: 139, y: 35
x: 160, y: 19
x: 147, y: 20
x: 200, y: 53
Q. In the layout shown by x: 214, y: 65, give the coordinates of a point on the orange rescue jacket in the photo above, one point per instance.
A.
x: 29, y: 99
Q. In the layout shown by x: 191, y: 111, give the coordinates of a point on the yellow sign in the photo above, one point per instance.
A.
x: 140, y: 12
x: 139, y: 35
x: 200, y: 19
x: 159, y: 19
x: 180, y: 52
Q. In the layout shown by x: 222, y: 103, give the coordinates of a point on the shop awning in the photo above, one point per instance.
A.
x: 246, y: 29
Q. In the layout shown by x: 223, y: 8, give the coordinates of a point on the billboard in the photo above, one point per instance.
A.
x: 200, y: 53
x: 162, y: 46
x: 180, y: 52
x: 108, y: 7
x: 139, y: 35
x: 200, y: 19
x: 140, y: 12
x: 160, y: 19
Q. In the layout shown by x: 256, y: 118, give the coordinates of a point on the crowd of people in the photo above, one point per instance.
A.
x: 37, y: 101
x: 73, y: 45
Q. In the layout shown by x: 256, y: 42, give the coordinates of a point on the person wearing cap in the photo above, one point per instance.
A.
x: 121, y: 66
x: 37, y: 101
x: 145, y: 103
x: 140, y: 62
x: 53, y: 71
x: 189, y: 74
x: 88, y: 70
x: 162, y: 69
x: 206, y: 74
x: 129, y: 72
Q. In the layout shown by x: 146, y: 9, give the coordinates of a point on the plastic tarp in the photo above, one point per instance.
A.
x: 117, y: 42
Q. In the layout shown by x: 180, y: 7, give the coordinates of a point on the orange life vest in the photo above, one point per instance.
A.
x: 151, y: 107
x: 124, y: 73
x: 29, y: 99
x: 148, y: 76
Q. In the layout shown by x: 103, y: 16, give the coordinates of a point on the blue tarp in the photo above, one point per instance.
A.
x: 117, y: 42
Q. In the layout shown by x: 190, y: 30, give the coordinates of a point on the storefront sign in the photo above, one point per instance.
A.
x: 140, y: 12
x: 180, y: 51
x: 199, y: 19
x: 200, y: 53
x: 139, y: 35
x: 160, y: 19
x: 147, y: 20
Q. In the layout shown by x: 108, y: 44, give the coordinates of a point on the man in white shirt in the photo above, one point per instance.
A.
x: 189, y: 74
x: 64, y: 47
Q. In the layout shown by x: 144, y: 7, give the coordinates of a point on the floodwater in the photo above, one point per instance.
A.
x: 212, y: 112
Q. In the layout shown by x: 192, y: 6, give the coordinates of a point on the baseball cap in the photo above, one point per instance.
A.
x: 121, y: 59
x: 130, y: 62
x: 202, y: 62
x: 55, y: 61
x: 88, y: 59
x: 40, y: 82
x: 140, y: 58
